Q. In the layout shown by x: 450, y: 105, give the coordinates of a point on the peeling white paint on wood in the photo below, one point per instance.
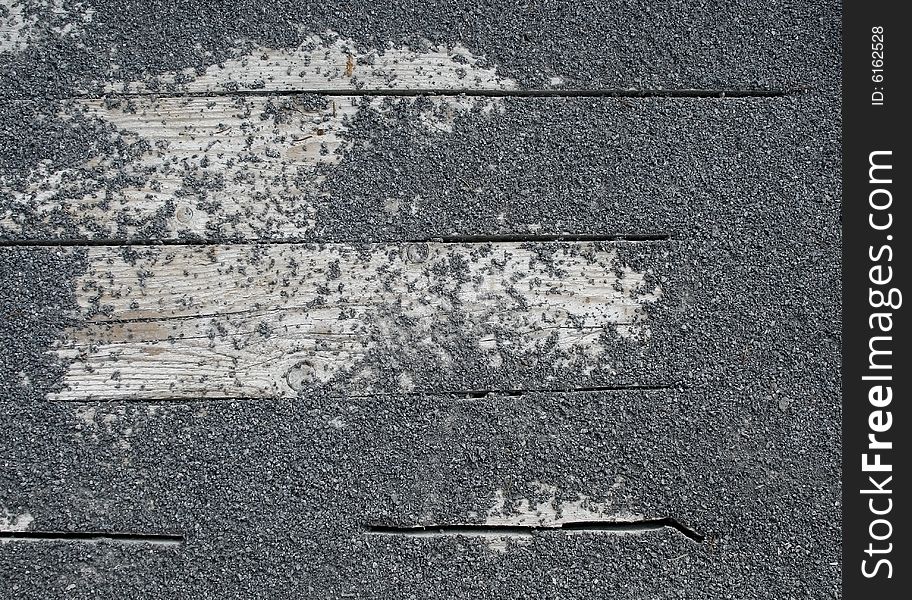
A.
x: 328, y: 61
x: 545, y: 510
x: 275, y: 320
x: 243, y: 167
x: 18, y: 27
x: 10, y: 522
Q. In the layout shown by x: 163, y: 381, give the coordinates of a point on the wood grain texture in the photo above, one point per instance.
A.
x: 212, y: 167
x: 309, y: 168
x: 279, y: 320
x: 330, y: 62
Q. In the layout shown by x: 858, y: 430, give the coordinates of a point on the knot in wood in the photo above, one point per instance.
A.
x: 417, y: 253
x: 299, y: 376
x: 183, y: 214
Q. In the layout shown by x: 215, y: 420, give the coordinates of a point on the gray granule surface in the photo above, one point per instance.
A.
x: 591, y: 44
x: 591, y: 166
x: 272, y: 497
x: 37, y: 303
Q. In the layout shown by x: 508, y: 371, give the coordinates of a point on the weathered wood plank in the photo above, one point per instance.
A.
x: 309, y: 168
x: 309, y: 45
x: 277, y: 320
x: 266, y: 484
x: 214, y: 167
x: 25, y: 24
x: 196, y: 166
x: 330, y: 62
x: 13, y: 27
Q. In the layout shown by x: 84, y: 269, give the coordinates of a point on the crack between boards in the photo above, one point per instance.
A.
x: 453, y: 239
x: 93, y: 537
x: 635, y: 527
x: 455, y: 394
x: 696, y: 93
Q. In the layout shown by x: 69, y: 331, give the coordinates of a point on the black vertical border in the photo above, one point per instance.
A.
x: 869, y: 127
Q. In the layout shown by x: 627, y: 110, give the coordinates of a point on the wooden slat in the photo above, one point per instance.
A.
x: 264, y: 483
x: 243, y: 167
x: 308, y: 168
x: 330, y: 62
x: 152, y: 467
x: 307, y: 46
x: 247, y: 167
x: 266, y: 321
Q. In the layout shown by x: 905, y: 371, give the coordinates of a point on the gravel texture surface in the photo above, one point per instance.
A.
x: 272, y: 498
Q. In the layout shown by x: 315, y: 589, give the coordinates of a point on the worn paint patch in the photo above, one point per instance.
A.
x: 113, y: 423
x: 221, y: 167
x: 22, y: 22
x: 544, y: 509
x: 14, y: 26
x: 15, y: 522
x: 255, y: 321
x: 328, y: 61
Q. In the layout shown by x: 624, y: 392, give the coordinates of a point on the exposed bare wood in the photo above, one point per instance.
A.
x: 267, y: 321
x: 59, y: 18
x: 244, y: 167
x: 329, y: 62
x: 13, y: 26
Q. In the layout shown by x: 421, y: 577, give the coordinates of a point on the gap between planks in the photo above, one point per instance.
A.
x: 454, y: 239
x: 677, y: 386
x: 568, y: 527
x: 90, y: 537
x: 718, y: 94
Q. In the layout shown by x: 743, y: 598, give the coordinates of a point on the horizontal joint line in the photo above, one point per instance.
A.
x: 641, y: 526
x: 459, y: 394
x: 93, y: 537
x: 490, y: 93
x: 453, y: 239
